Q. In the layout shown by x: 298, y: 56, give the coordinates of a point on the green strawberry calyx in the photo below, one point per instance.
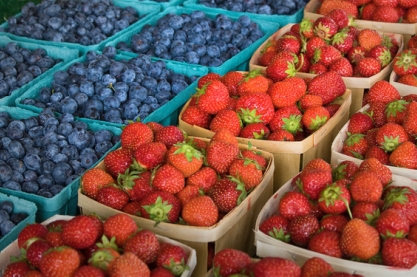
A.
x: 396, y: 195
x: 406, y: 60
x: 249, y: 116
x: 187, y: 149
x: 331, y: 194
x: 240, y: 186
x: 102, y: 258
x: 159, y: 210
x: 317, y: 122
x: 177, y: 268
x: 390, y: 143
x: 396, y: 106
x: 279, y: 234
x: 292, y: 124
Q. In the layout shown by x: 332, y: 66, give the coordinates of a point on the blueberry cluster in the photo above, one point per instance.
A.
x: 103, y: 88
x: 267, y: 7
x: 19, y: 66
x: 195, y: 38
x: 8, y: 218
x: 86, y: 22
x: 44, y: 153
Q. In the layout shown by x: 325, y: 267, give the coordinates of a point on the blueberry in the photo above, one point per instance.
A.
x: 18, y: 217
x: 102, y: 147
x: 57, y: 96
x: 56, y: 189
x: 128, y: 76
x: 138, y: 92
x: 49, y: 138
x: 16, y: 149
x: 32, y: 162
x: 7, y: 206
x: 17, y: 176
x: 6, y: 227
x: 178, y: 86
x: 64, y: 118
x: 30, y: 122
x: 12, y: 185
x: 45, y: 180
x: 68, y: 105
x: 80, y: 138
x: 87, y: 87
x: 44, y: 192
x: 70, y: 151
x: 4, y: 216
x: 16, y: 165
x: 14, y: 133
x: 60, y: 158
x: 51, y: 150
x: 30, y: 186
x: 94, y: 73
x: 47, y: 166
x: 114, y: 116
x: 130, y: 111
x: 71, y: 179
x: 60, y: 172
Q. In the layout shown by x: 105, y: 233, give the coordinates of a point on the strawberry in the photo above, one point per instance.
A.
x: 155, y: 126
x: 232, y: 78
x: 395, y: 111
x: 128, y: 264
x: 17, y: 268
x: 200, y: 211
x: 315, y: 117
x: 93, y: 180
x: 184, y: 157
x: 256, y: 130
x: 405, y: 62
x: 404, y: 199
x: 399, y: 252
x: 88, y: 271
x: 230, y: 261
x: 377, y: 109
x: 136, y: 184
x: 281, y: 135
x: 220, y: 155
x: 188, y: 193
x: 204, y: 179
x: 143, y: 244
x: 318, y: 68
x: 227, y: 193
x: 392, y: 223
x: 253, y: 82
x: 135, y: 134
x: 326, y: 55
x: 325, y: 27
x: 149, y: 155
x: 248, y: 171
x: 405, y: 155
x: 301, y: 228
x: 276, y: 226
x: 282, y: 66
x: 207, y: 78
x: 317, y: 163
x: 366, y: 186
x: 355, y: 146
x: 265, y: 59
x: 316, y: 267
x: 120, y: 226
x: 35, y: 230
x: 276, y: 267
x: 224, y: 135
x: 349, y: 6
x: 377, y: 153
x: 326, y: 242
x: 344, y: 170
x: 172, y: 257
x: 226, y: 119
x: 410, y: 15
x: 382, y: 91
x: 288, y: 42
x: 408, y: 79
x: 368, y: 38
x: 333, y: 222
x: 367, y: 211
x: 132, y: 208
x: 360, y: 123
x: 355, y: 54
x: 412, y: 42
x: 381, y: 53
x: 309, y: 100
x: 160, y: 206
x: 334, y: 199
x: 112, y: 196
x: 118, y: 161
x: 390, y: 136
x: 319, y: 85
x: 374, y: 165
x: 213, y: 97
x: 59, y: 261
x: 342, y: 41
x: 255, y: 156
x: 294, y: 204
x: 385, y: 13
x: 287, y: 118
x: 410, y: 117
x: 368, y: 66
x: 359, y: 240
x: 35, y: 251
x: 342, y: 67
x: 255, y: 108
x: 169, y: 135
x: 412, y: 234
x: 194, y: 116
x: 311, y: 182
x: 80, y: 232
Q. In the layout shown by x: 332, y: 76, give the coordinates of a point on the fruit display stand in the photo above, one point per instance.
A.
x: 267, y: 246
x: 63, y: 54
x: 291, y: 156
x: 19, y: 206
x: 277, y: 18
x: 166, y: 114
x: 407, y: 29
x: 356, y: 85
x: 237, y: 62
x: 234, y: 230
x: 65, y: 202
x: 13, y: 250
x: 145, y: 10
x: 337, y: 156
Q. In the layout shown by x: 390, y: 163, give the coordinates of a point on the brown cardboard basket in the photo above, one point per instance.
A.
x: 232, y: 231
x: 13, y: 249
x: 267, y: 246
x: 402, y: 88
x: 290, y: 156
x: 355, y: 84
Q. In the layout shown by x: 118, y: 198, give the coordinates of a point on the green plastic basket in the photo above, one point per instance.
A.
x: 145, y: 9
x: 166, y: 4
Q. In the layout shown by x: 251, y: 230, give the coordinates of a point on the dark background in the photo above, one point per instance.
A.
x: 12, y: 7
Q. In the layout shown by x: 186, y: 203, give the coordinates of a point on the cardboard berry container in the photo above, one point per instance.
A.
x: 267, y: 246
x: 402, y: 88
x: 19, y: 206
x: 356, y: 85
x: 233, y: 231
x: 290, y: 157
x: 407, y: 29
x: 13, y: 250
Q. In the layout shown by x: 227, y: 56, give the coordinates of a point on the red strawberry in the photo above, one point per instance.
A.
x: 59, y: 261
x: 412, y: 234
x: 319, y: 85
x: 204, y: 179
x: 404, y: 199
x: 230, y: 261
x: 93, y: 180
x: 385, y: 13
x: 255, y: 108
x: 360, y: 123
x: 294, y: 204
x: 112, y: 196
x: 207, y: 78
x: 132, y: 208
x: 185, y: 158
x: 326, y: 55
x: 282, y: 94
x: 200, y: 211
x: 253, y: 82
x: 318, y: 68
x: 381, y: 53
x: 194, y: 116
x: 408, y: 79
x: 317, y: 163
x: 374, y: 165
x: 143, y: 244
x: 255, y: 156
x: 342, y: 41
x: 399, y: 252
x: 161, y: 206
x: 80, y: 232
x: 118, y: 161
x: 281, y: 135
x: 325, y: 27
x: 333, y: 222
x: 136, y: 184
x: 306, y: 28
x: 410, y: 15
x: 355, y: 146
x: 135, y: 134
x: 248, y: 171
x: 172, y: 257
x: 382, y: 91
x: 334, y: 199
x: 212, y: 97
x: 405, y: 155
x: 149, y: 155
x: 395, y: 111
x: 410, y: 117
x: 405, y: 62
x: 287, y: 118
x: 228, y: 193
x: 390, y: 136
x: 35, y: 230
x: 232, y: 78
x: 155, y: 126
x: 367, y: 211
x: 377, y: 109
x: 312, y: 44
x: 35, y: 251
x: 377, y: 153
x: 368, y: 38
x: 88, y: 271
x: 366, y: 186
x: 169, y: 135
x: 392, y: 223
x: 344, y: 170
x: 128, y: 264
x: 302, y: 228
x: 368, y: 67
x: 355, y: 54
x: 311, y: 182
x: 121, y: 226
x: 265, y: 59
x: 226, y: 119
x: 276, y: 267
x: 282, y: 66
x: 315, y: 117
x: 220, y: 155
x: 188, y: 193
x: 342, y: 67
x: 224, y: 135
x: 316, y: 267
x: 326, y: 242
x: 349, y: 6
x: 276, y: 226
x: 256, y: 130
x: 309, y: 100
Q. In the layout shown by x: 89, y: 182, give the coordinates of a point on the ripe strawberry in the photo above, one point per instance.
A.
x: 160, y: 206
x: 410, y: 117
x: 359, y: 240
x: 377, y: 109
x: 232, y: 78
x: 155, y: 126
x: 309, y: 100
x: 224, y: 135
x: 228, y: 193
x: 88, y: 271
x: 248, y: 171
x: 319, y: 85
x: 188, y: 193
x: 390, y: 136
x: 325, y: 27
x: 226, y: 119
x: 282, y: 94
x: 281, y: 135
x: 136, y: 184
x: 282, y: 66
x: 200, y: 211
x: 194, y: 116
x: 344, y: 170
x: 377, y: 153
x: 289, y: 42
x: 143, y: 244
x: 360, y: 123
x: 374, y: 165
x: 381, y: 53
x: 204, y: 179
x: 395, y: 111
x: 366, y: 186
x: 35, y: 230
x: 351, y: 7
x: 355, y: 54
x: 207, y: 78
x: 135, y: 134
x: 333, y: 222
x: 408, y: 79
x: 93, y: 180
x: 132, y: 208
x: 104, y: 256
x: 220, y: 155
x: 326, y: 55
x: 128, y: 264
x: 382, y: 91
x: 253, y: 82
x: 412, y: 234
x: 410, y: 15
x: 265, y: 59
x: 80, y: 232
x: 332, y: 108
x: 412, y: 42
x: 294, y: 204
x: 302, y: 228
x: 326, y: 242
x: 405, y: 62
x: 213, y: 97
x: 368, y: 38
x: 149, y: 155
x: 59, y: 261
x: 169, y: 135
x: 172, y: 257
x: 54, y: 237
x: 312, y: 181
x: 399, y: 252
x: 35, y: 251
x: 392, y: 223
x: 355, y: 146
x: 184, y: 157
x: 404, y: 199
x: 121, y: 226
x: 367, y: 211
x: 255, y: 156
x: 368, y: 66
x: 385, y: 13
x: 255, y: 108
x: 276, y: 267
x: 334, y: 199
x: 112, y: 196
x: 276, y: 226
x: 342, y: 41
x: 342, y: 67
x: 316, y: 267
x: 286, y: 118
x: 118, y: 161
x: 315, y: 117
x: 257, y: 130
x: 317, y: 163
x: 405, y: 155
x: 230, y: 261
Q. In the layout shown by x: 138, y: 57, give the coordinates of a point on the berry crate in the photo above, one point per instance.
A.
x: 355, y: 84
x: 403, y: 89
x: 233, y: 231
